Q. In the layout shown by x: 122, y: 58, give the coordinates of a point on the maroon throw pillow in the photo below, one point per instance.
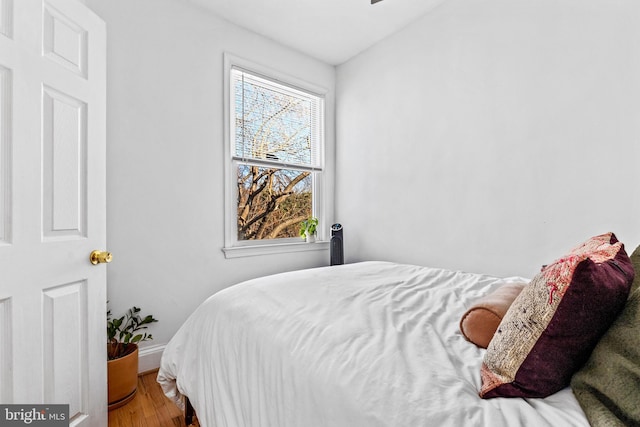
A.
x: 553, y: 325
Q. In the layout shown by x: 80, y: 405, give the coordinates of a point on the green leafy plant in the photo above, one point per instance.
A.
x: 122, y: 332
x: 308, y: 226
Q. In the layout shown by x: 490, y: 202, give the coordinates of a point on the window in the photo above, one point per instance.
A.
x: 275, y: 158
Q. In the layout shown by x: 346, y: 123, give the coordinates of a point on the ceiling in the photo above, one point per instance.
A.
x: 330, y: 30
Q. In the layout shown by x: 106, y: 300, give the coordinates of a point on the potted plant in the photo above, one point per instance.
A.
x: 123, y: 336
x: 308, y: 229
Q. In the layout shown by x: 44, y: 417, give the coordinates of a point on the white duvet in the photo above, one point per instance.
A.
x: 359, y: 345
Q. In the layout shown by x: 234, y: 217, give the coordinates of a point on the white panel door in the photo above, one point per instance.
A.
x: 52, y: 207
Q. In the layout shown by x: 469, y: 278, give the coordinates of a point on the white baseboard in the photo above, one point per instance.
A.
x: 149, y: 358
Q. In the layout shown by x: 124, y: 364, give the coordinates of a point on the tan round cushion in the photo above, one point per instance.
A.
x: 481, y: 321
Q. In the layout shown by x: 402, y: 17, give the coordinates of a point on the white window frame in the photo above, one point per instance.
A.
x: 237, y: 248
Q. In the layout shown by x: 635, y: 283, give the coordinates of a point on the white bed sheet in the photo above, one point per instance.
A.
x: 359, y: 345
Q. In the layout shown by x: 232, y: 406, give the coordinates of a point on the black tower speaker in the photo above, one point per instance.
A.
x: 336, y: 248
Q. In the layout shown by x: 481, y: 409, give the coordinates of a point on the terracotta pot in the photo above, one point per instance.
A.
x: 122, y: 376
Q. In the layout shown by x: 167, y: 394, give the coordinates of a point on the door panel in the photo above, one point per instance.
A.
x: 52, y: 207
x: 6, y: 325
x: 6, y: 17
x: 66, y: 375
x: 5, y: 154
x: 65, y: 41
x: 64, y: 165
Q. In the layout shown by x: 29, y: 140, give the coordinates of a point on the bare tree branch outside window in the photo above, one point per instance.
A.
x: 273, y: 145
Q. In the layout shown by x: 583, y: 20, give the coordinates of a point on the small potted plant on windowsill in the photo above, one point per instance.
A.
x: 123, y: 337
x: 308, y: 229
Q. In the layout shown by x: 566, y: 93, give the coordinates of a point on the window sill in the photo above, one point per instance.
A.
x: 280, y: 248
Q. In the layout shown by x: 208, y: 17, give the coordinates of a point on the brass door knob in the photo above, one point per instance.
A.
x: 98, y: 257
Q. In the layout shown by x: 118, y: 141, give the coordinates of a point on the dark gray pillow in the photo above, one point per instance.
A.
x: 608, y: 385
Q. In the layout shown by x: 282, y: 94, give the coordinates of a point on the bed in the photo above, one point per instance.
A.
x: 365, y: 344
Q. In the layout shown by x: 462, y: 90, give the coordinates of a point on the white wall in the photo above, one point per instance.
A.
x: 492, y: 135
x: 165, y: 155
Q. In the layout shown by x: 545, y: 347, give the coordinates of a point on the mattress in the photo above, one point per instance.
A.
x: 366, y: 344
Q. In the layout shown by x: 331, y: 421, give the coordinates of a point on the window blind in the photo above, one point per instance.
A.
x: 275, y: 123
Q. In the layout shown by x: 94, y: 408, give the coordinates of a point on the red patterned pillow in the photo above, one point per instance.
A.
x: 551, y: 328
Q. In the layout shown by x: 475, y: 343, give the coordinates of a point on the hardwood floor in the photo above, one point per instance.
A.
x: 150, y: 408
